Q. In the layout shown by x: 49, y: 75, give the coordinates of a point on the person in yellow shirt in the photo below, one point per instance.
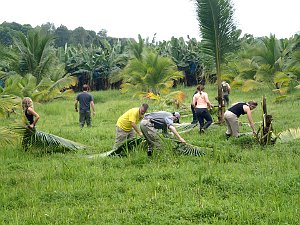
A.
x: 127, y: 124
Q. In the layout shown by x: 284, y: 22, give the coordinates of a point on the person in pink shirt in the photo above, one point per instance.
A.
x: 201, y: 104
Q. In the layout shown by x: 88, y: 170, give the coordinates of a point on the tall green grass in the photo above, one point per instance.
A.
x: 240, y: 183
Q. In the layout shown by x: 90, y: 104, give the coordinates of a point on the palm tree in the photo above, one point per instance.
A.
x: 152, y: 73
x: 36, y: 53
x: 219, y: 36
x: 268, y: 60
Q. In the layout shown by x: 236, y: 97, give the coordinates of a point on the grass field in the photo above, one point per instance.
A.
x: 240, y: 183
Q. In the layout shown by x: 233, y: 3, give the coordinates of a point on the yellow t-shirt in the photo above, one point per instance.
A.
x: 124, y: 121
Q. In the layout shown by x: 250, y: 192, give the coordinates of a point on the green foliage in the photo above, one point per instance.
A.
x: 289, y: 135
x: 240, y: 183
x: 46, y: 142
x: 35, y: 52
x: 219, y: 35
x: 45, y: 90
x: 267, y: 60
x: 152, y: 73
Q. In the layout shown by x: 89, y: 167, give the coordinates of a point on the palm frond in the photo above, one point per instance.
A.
x: 289, y: 135
x: 127, y: 146
x: 40, y: 139
x: 7, y: 136
x: 193, y: 150
x: 185, y: 127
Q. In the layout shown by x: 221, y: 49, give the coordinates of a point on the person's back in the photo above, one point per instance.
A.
x: 238, y: 109
x: 161, y: 119
x: 124, y: 121
x: 84, y: 99
x: 201, y: 99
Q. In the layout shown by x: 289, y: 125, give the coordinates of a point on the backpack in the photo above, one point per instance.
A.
x: 225, y: 87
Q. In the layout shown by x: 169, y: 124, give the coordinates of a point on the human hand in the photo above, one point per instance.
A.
x: 94, y: 113
x: 140, y: 134
x: 182, y: 140
x: 31, y: 126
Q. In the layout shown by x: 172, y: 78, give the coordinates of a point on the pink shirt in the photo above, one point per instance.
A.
x: 201, y: 100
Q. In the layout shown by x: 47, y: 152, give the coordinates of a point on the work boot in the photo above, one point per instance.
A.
x: 227, y: 136
x: 149, y: 152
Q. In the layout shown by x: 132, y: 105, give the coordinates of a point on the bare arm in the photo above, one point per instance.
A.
x: 249, y: 116
x: 173, y: 129
x: 93, y: 107
x: 136, y: 129
x: 207, y: 101
x: 36, y: 117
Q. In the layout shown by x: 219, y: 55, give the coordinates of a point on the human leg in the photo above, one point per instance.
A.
x: 150, y: 135
x: 81, y: 119
x: 206, y: 115
x: 88, y: 119
x: 195, y: 120
x: 199, y: 117
x: 121, y: 136
x: 226, y: 98
x: 232, y: 124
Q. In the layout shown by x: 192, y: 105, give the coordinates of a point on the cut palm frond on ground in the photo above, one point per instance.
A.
x: 46, y: 141
x: 131, y: 144
x: 185, y: 127
x: 122, y: 150
x: 289, y: 135
x: 193, y: 150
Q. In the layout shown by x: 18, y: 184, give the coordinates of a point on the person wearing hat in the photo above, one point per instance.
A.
x: 155, y: 121
x: 201, y: 103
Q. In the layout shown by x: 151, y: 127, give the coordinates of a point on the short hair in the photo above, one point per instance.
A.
x: 145, y: 106
x: 85, y: 87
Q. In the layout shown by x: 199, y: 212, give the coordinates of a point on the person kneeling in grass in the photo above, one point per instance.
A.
x: 233, y: 113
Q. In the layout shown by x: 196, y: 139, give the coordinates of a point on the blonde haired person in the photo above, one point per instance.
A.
x: 31, y: 116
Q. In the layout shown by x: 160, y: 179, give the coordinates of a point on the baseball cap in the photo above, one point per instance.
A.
x: 177, y: 115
